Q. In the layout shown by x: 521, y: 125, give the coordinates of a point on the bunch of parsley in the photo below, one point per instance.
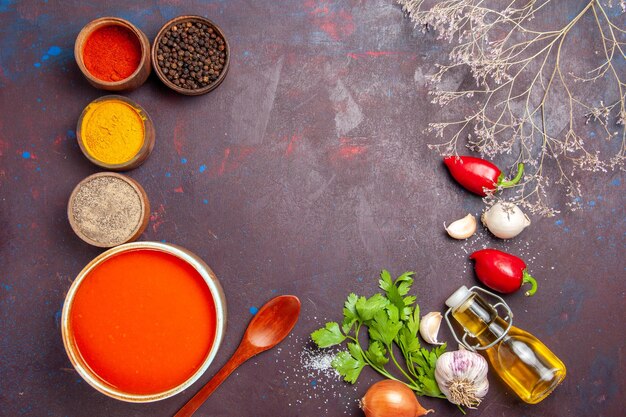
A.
x: 389, y: 319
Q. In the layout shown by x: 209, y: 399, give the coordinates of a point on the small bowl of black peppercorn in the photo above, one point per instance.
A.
x: 190, y: 54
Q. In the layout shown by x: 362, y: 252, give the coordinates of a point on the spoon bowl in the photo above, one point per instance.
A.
x: 269, y: 326
x: 283, y: 312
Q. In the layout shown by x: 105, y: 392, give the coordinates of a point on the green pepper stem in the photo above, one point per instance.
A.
x: 527, y: 278
x: 518, y: 177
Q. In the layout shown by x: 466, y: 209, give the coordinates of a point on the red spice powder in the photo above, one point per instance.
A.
x: 112, y: 53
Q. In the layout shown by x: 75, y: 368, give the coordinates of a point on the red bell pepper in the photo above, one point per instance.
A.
x: 501, y: 271
x: 478, y: 175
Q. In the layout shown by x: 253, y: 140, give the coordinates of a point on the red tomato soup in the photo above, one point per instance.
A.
x: 143, y: 321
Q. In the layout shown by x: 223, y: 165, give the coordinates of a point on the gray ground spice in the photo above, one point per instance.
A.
x: 107, y: 210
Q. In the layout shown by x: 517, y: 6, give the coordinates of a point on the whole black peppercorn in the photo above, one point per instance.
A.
x: 191, y: 54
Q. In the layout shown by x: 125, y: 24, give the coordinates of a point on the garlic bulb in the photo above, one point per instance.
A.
x: 462, y: 377
x: 505, y: 220
x: 429, y: 327
x: 462, y: 228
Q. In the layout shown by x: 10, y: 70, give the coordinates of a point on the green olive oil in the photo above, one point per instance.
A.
x: 518, y: 357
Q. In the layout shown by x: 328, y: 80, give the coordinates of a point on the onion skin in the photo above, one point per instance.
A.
x: 389, y: 398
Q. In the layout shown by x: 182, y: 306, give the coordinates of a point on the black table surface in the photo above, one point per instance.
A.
x: 306, y: 172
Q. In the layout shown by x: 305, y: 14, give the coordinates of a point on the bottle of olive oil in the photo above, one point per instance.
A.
x: 518, y: 357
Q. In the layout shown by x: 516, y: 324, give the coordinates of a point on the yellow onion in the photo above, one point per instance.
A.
x: 391, y: 398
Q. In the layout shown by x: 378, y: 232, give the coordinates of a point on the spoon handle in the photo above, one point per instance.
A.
x: 240, y: 356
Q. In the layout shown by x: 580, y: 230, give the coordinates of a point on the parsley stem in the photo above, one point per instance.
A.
x: 409, y: 362
x: 393, y: 357
x: 381, y: 371
x: 388, y: 320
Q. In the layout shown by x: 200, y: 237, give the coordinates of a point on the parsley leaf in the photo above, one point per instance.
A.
x: 413, y: 321
x: 328, y: 336
x: 349, y: 364
x: 408, y: 342
x: 396, y: 290
x: 389, y: 318
x: 427, y: 361
x: 404, y: 282
x: 350, y: 316
x: 383, y: 328
x: 376, y: 353
x: 367, y: 308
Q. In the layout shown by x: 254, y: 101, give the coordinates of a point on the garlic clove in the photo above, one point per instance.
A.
x: 462, y: 228
x: 429, y: 327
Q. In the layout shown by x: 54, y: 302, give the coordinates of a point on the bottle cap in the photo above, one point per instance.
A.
x: 458, y: 297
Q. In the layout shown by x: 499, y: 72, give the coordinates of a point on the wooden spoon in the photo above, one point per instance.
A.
x: 269, y: 326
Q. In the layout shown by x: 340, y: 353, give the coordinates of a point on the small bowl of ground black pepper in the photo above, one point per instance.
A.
x: 190, y: 54
x: 107, y: 209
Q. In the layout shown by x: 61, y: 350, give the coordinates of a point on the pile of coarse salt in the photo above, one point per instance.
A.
x: 314, y: 378
x: 319, y: 362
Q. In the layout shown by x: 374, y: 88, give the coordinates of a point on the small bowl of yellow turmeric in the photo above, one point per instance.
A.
x: 115, y: 133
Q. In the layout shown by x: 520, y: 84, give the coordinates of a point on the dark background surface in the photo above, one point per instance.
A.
x: 305, y: 172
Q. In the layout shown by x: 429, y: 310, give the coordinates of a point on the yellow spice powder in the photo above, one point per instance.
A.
x: 112, y: 131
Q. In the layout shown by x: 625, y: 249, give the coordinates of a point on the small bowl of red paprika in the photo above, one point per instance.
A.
x: 113, y: 54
